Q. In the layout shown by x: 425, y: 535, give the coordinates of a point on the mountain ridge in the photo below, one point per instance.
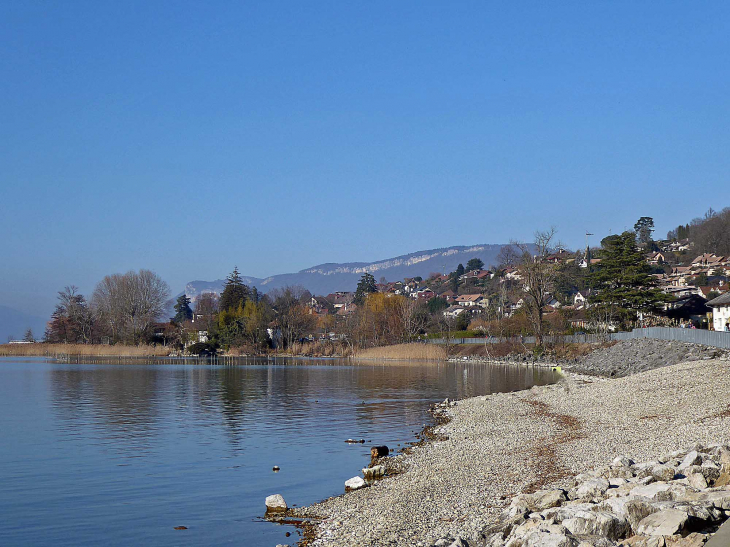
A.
x: 331, y: 277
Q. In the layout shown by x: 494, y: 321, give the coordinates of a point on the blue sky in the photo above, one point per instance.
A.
x: 188, y: 137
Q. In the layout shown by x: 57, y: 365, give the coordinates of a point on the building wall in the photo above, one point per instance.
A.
x: 720, y: 316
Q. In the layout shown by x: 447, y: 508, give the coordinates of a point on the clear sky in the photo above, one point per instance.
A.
x: 188, y: 137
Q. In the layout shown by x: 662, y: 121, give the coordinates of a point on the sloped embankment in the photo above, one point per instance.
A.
x: 633, y: 356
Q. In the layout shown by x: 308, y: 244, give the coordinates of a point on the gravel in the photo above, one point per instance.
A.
x: 497, y: 446
x: 632, y: 356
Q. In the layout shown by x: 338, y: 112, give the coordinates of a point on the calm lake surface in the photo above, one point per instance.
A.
x: 122, y: 454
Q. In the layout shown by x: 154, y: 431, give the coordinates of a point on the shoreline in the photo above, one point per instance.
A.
x: 497, y: 446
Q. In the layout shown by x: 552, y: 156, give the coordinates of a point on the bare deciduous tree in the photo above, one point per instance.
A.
x: 129, y: 304
x: 538, y: 279
x: 206, y: 308
x: 412, y: 316
x: 291, y: 314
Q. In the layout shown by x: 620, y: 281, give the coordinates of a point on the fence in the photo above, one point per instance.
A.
x: 690, y: 336
x: 717, y: 339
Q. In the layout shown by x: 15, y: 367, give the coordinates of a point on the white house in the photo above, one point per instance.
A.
x: 453, y: 311
x: 580, y: 299
x: 469, y: 300
x: 720, y: 311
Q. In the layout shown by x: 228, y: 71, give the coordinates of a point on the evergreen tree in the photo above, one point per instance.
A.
x: 623, y: 281
x: 235, y: 293
x: 365, y: 286
x: 459, y: 270
x: 643, y: 228
x: 29, y: 336
x: 182, y: 307
x: 474, y: 264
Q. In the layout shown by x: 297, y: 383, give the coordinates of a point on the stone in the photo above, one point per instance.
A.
x: 667, y: 522
x: 725, y: 457
x: 723, y: 479
x: 637, y: 510
x: 275, y: 504
x: 593, y: 489
x: 545, y: 499
x: 717, y: 498
x: 692, y: 458
x: 597, y: 542
x: 697, y: 480
x: 373, y: 472
x: 617, y: 506
x: 650, y: 490
x: 615, y: 482
x: 622, y: 461
x: 620, y: 472
x: 662, y: 472
x: 355, y: 483
x: 692, y: 540
x: 710, y: 470
x: 643, y: 541
x: 596, y: 523
x: 540, y: 538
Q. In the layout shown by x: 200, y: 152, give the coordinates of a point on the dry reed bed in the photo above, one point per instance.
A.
x: 404, y: 352
x: 44, y: 350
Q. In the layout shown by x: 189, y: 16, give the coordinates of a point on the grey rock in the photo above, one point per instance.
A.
x: 596, y: 523
x: 275, y: 504
x: 693, y: 458
x: 593, y: 489
x: 355, y: 483
x: 664, y: 523
x: 697, y: 480
x: 663, y: 472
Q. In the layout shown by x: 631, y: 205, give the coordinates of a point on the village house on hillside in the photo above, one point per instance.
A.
x: 476, y: 275
x: 709, y: 260
x: 340, y: 299
x: 469, y: 300
x: 720, y: 311
x: 656, y: 258
x: 453, y: 311
x: 678, y: 246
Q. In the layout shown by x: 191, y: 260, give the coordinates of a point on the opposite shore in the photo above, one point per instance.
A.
x: 498, y: 446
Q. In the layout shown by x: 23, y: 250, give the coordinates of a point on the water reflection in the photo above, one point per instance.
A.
x: 140, y: 449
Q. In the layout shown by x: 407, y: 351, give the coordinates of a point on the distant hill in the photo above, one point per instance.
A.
x: 14, y: 323
x: 328, y: 278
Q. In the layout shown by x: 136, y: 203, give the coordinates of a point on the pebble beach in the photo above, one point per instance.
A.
x: 492, y: 448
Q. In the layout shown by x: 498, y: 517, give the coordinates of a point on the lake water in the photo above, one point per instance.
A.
x: 122, y: 454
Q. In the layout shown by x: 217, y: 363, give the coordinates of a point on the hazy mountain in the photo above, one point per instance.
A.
x: 328, y: 278
x: 14, y: 323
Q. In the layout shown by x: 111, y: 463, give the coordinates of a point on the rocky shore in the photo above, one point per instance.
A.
x: 456, y: 489
x: 678, y: 500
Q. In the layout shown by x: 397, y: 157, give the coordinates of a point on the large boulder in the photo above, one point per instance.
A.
x: 540, y: 538
x: 596, y: 523
x: 545, y: 499
x: 650, y: 491
x: 373, y: 472
x: 697, y: 480
x: 664, y: 523
x: 663, y: 472
x: 593, y: 489
x: 637, y: 510
x: 275, y: 504
x: 692, y: 458
x: 355, y: 483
